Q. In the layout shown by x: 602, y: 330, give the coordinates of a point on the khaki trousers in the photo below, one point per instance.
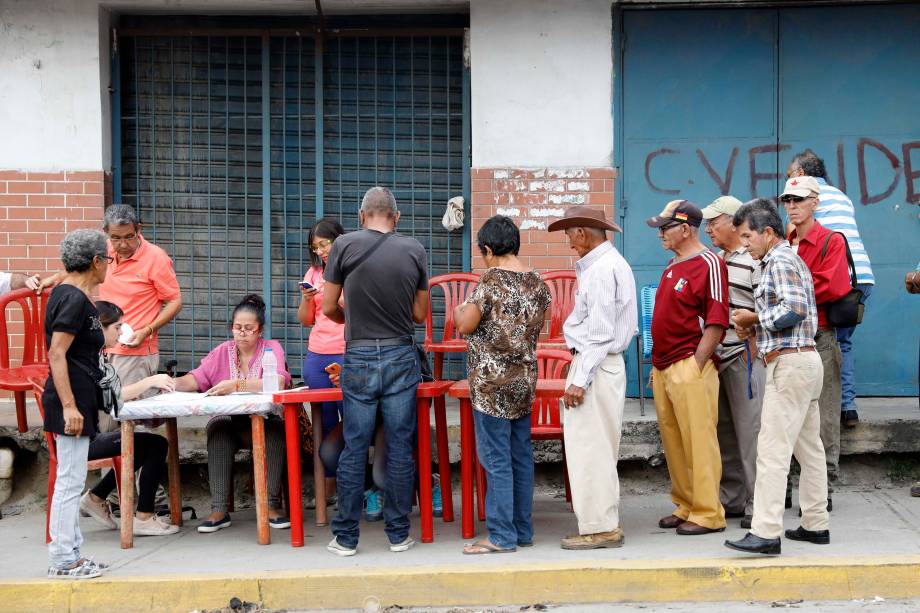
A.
x: 739, y: 424
x: 829, y: 402
x: 790, y: 424
x: 130, y: 369
x: 686, y: 401
x: 592, y: 446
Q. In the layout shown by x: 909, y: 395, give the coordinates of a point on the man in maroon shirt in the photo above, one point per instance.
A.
x: 690, y: 319
x: 824, y: 253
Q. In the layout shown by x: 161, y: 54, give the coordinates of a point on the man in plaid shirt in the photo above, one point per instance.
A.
x: 785, y: 323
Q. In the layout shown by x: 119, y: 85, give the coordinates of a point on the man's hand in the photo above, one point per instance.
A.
x: 73, y: 421
x: 574, y: 396
x: 33, y: 282
x: 139, y: 336
x: 163, y: 382
x: 744, y: 318
x: 700, y: 361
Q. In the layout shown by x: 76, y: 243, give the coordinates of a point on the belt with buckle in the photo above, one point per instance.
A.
x: 380, y: 342
x: 775, y: 354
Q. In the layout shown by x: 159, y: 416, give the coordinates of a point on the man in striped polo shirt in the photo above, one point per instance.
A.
x: 741, y: 377
x: 836, y: 213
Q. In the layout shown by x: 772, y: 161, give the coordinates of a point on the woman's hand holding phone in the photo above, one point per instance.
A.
x: 335, y: 371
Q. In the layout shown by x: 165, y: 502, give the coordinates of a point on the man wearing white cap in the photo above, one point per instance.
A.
x: 741, y: 377
x: 824, y: 253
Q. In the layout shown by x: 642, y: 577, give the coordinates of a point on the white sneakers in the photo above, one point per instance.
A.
x: 153, y: 526
x: 98, y: 511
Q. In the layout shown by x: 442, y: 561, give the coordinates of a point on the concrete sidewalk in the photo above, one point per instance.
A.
x: 875, y: 551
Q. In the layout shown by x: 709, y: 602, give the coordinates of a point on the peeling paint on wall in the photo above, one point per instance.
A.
x: 547, y: 212
x: 566, y: 199
x: 530, y: 224
x: 508, y: 212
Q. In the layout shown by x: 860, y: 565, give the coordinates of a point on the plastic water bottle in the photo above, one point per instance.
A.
x: 269, y: 372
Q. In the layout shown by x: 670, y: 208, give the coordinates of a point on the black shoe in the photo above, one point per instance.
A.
x: 733, y: 514
x: 213, y: 526
x: 751, y: 543
x: 279, y: 523
x: 849, y: 418
x: 818, y: 537
x: 746, y: 522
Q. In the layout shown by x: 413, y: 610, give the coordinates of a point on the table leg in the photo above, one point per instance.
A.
x: 261, y: 479
x: 447, y: 494
x: 319, y: 471
x: 292, y: 434
x: 175, y: 483
x: 423, y: 407
x: 127, y: 485
x: 466, y: 469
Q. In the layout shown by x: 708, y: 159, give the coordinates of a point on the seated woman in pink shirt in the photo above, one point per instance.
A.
x: 236, y: 366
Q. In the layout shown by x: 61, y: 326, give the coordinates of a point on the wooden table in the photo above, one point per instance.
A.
x: 546, y: 388
x: 292, y: 402
x: 171, y: 406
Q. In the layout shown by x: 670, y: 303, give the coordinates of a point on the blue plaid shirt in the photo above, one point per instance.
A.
x: 785, y: 302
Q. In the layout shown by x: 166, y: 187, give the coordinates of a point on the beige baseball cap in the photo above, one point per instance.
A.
x: 723, y: 205
x: 801, y: 186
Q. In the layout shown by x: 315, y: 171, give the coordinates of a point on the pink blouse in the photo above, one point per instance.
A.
x: 215, y: 367
x: 326, y: 336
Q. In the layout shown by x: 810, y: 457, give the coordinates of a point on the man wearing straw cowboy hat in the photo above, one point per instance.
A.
x: 603, y: 321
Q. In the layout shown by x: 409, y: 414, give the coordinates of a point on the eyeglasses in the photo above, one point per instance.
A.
x: 122, y: 239
x: 244, y: 330
x: 320, y: 245
x: 669, y: 226
x: 106, y: 258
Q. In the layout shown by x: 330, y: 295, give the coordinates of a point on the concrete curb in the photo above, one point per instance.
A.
x: 737, y: 579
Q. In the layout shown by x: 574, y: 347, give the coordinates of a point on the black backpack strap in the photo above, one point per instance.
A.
x: 363, y: 257
x: 851, y: 265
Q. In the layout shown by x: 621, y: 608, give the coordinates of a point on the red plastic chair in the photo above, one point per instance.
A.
x: 545, y: 422
x: 456, y: 286
x: 34, y: 363
x: 114, y: 462
x: 562, y: 286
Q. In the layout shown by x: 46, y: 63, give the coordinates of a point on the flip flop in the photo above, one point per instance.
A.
x: 484, y: 547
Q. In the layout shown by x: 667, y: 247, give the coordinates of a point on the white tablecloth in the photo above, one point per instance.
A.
x: 185, y: 404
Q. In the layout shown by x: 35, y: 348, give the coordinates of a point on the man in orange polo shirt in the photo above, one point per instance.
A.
x: 141, y: 280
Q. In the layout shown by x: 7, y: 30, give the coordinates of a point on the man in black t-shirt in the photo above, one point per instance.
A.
x: 384, y: 276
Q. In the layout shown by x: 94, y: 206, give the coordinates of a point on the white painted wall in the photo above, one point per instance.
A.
x: 541, y: 75
x: 53, y: 92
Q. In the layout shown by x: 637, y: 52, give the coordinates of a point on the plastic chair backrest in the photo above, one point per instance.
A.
x: 551, y: 364
x: 562, y: 286
x: 456, y: 286
x: 647, y: 307
x: 38, y: 390
x: 32, y: 307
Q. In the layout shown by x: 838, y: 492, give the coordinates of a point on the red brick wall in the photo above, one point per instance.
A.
x: 534, y: 198
x: 37, y: 209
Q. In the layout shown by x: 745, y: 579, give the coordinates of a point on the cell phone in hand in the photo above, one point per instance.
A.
x: 334, y: 369
x: 307, y: 285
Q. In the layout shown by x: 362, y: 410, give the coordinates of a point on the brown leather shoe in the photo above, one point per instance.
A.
x: 688, y: 528
x: 611, y: 539
x: 669, y: 522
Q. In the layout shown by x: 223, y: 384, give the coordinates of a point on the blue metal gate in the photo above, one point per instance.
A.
x: 222, y: 147
x: 713, y: 102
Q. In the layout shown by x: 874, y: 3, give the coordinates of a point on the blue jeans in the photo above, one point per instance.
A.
x: 384, y: 378
x: 506, y: 454
x: 64, y: 524
x: 847, y: 368
x: 316, y: 377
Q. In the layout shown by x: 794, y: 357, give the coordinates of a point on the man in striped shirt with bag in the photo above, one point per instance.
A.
x: 741, y: 378
x: 836, y: 213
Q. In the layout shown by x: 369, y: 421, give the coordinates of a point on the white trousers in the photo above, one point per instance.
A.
x: 592, y: 446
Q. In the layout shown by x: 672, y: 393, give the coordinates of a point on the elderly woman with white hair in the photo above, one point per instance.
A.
x: 72, y: 397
